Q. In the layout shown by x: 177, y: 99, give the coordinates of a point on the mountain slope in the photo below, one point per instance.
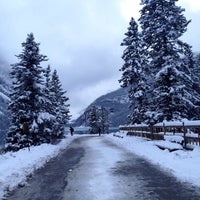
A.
x: 4, y: 100
x: 117, y: 104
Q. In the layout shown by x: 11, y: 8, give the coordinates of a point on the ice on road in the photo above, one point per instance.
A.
x: 108, y: 172
x: 93, y: 179
x: 94, y: 168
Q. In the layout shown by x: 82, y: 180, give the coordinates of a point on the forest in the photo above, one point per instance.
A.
x: 160, y: 69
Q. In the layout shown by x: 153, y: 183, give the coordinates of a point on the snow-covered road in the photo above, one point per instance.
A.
x: 94, y: 168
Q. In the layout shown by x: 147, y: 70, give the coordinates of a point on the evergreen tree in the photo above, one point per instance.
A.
x: 195, y: 71
x: 47, y: 75
x: 163, y: 23
x: 139, y: 103
x: 93, y: 120
x: 194, y: 61
x: 49, y: 109
x: 103, y: 120
x: 27, y: 98
x: 133, y: 73
x: 60, y: 106
x: 131, y: 69
x: 98, y: 120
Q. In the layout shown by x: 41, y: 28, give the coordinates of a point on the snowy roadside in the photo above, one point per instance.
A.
x: 181, y: 163
x: 15, y: 167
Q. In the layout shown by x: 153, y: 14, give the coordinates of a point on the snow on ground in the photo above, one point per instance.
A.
x: 16, y: 166
x: 183, y: 164
x: 179, y: 123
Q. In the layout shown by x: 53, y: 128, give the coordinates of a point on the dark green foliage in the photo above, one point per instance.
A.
x: 166, y: 84
x: 170, y: 60
x: 37, y: 103
x: 26, y: 98
x: 133, y: 73
x: 103, y: 120
x: 93, y: 120
x: 60, y: 106
x: 98, y: 120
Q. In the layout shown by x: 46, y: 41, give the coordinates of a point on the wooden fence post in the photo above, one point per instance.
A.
x: 184, y: 135
x: 164, y: 129
x: 152, y: 136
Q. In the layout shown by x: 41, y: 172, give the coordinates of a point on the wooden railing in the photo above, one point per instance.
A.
x: 189, y: 130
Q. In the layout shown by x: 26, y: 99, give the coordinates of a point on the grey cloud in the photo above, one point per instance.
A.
x: 81, y: 39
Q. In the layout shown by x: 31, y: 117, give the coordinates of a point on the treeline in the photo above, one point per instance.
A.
x: 39, y: 107
x: 97, y: 119
x: 160, y: 69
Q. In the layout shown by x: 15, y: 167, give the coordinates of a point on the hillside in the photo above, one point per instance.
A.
x: 116, y: 102
x: 4, y: 100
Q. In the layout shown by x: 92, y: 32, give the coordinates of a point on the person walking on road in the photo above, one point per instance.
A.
x: 99, y: 130
x: 71, y: 130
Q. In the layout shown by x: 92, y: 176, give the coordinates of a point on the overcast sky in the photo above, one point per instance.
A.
x: 81, y: 39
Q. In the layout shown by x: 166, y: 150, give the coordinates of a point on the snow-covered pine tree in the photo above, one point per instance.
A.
x: 163, y: 23
x: 47, y: 75
x: 131, y: 68
x: 196, y: 70
x: 26, y: 99
x: 189, y: 60
x: 60, y: 106
x: 49, y: 109
x: 93, y: 120
x: 133, y: 73
x: 194, y: 62
x: 98, y: 120
x: 103, y: 120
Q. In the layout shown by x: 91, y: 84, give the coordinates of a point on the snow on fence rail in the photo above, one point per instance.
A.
x: 189, y: 130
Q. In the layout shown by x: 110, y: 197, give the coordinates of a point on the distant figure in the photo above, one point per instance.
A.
x: 99, y: 130
x: 71, y: 131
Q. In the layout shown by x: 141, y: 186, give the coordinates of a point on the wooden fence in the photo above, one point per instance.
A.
x: 190, y: 131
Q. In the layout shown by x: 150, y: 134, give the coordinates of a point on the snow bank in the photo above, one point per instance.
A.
x: 16, y: 166
x: 181, y: 163
x: 179, y: 123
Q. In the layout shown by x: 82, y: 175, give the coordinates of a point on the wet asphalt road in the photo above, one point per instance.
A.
x: 76, y: 174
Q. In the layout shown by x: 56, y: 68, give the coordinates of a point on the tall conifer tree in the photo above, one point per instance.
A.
x: 49, y: 109
x: 93, y: 120
x: 133, y: 73
x: 27, y: 98
x: 60, y: 106
x: 163, y: 23
x: 103, y: 120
